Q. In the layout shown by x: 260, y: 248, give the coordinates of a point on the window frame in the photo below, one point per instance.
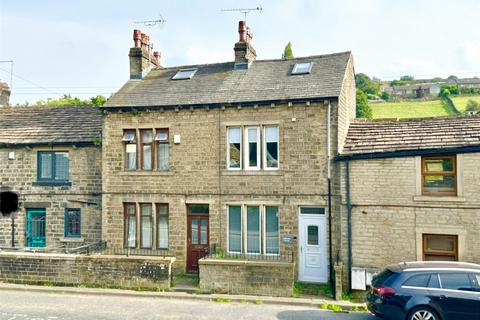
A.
x: 159, y: 142
x: 142, y: 150
x: 264, y: 145
x: 247, y: 149
x: 157, y: 220
x: 241, y: 229
x: 260, y: 229
x: 141, y: 215
x: 241, y: 148
x: 67, y: 234
x: 296, y: 67
x: 130, y: 142
x: 264, y: 230
x: 191, y: 71
x: 439, y: 253
x: 126, y: 225
x: 53, y: 180
x: 453, y: 173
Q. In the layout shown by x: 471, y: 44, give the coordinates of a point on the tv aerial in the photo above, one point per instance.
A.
x: 245, y: 11
x: 152, y: 23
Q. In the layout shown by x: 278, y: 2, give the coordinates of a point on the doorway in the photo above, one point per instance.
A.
x: 36, y: 228
x: 197, y: 234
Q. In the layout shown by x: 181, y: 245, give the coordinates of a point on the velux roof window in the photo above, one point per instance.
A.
x: 184, y: 74
x: 302, y: 68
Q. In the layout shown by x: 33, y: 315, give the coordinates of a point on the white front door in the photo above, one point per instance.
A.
x: 312, y: 245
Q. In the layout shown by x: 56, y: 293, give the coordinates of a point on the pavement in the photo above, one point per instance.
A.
x: 19, y: 302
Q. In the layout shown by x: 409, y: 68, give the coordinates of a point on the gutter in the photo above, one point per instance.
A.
x: 349, y: 223
x: 47, y: 144
x: 408, y: 153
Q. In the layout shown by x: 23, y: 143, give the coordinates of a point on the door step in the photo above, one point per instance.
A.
x: 185, y: 283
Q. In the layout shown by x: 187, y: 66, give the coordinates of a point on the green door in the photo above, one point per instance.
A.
x: 35, y: 227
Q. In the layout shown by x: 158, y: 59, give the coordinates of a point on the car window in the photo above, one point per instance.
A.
x: 382, y: 277
x: 419, y: 280
x: 455, y: 281
x: 476, y: 279
x: 433, y: 282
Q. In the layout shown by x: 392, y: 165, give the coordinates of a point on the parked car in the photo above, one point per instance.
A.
x: 426, y: 291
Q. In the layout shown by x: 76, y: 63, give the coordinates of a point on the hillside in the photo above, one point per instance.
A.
x: 460, y: 102
x: 410, y: 109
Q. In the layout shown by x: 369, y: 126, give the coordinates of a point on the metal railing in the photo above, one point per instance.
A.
x: 135, y: 252
x: 215, y: 252
x: 88, y: 248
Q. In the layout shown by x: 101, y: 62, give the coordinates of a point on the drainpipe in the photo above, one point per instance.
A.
x: 329, y: 180
x: 349, y: 223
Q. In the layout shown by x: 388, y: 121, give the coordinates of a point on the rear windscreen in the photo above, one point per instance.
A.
x: 382, y: 278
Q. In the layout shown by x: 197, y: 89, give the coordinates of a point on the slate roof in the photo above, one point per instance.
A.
x: 219, y: 83
x: 49, y: 125
x: 368, y: 137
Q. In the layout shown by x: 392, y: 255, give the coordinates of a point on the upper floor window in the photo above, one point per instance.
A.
x: 253, y: 148
x: 153, y: 149
x: 147, y: 155
x: 53, y: 167
x: 130, y: 140
x: 439, y: 176
x: 162, y: 146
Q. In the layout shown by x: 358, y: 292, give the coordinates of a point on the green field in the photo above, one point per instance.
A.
x: 460, y: 102
x: 410, y: 109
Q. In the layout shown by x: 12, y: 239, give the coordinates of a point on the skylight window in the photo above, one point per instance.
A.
x: 302, y: 68
x: 183, y: 74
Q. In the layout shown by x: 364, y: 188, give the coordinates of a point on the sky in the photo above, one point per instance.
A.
x: 81, y: 47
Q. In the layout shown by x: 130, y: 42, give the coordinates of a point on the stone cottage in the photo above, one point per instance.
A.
x: 51, y: 157
x: 235, y: 155
x: 410, y: 192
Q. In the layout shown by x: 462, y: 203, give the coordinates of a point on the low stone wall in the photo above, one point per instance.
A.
x: 270, y: 278
x: 132, y: 272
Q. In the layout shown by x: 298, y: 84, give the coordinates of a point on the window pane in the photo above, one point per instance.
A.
x: 271, y: 230
x: 129, y: 136
x: 147, y: 157
x: 61, y: 166
x: 312, y: 210
x: 146, y: 209
x: 162, y: 135
x: 439, y: 165
x: 312, y: 235
x: 131, y: 150
x: 72, y: 223
x: 253, y: 229
x: 420, y: 280
x: 163, y: 162
x: 235, y: 228
x: 455, y: 281
x: 434, y: 283
x: 131, y: 231
x: 46, y: 165
x: 271, y: 147
x: 252, y: 134
x: 439, y: 184
x: 147, y: 136
x: 130, y: 209
x: 198, y: 208
x: 440, y: 243
x: 162, y: 231
x: 194, y: 231
x: 146, y: 232
x: 234, y: 145
x: 203, y: 231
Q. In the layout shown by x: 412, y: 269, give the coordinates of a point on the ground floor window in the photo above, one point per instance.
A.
x: 440, y: 247
x: 253, y: 229
x: 72, y: 223
x: 144, y: 227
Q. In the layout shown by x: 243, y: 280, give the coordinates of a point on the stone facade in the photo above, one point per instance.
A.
x: 390, y: 214
x: 247, y: 277
x: 19, y: 172
x: 105, y: 271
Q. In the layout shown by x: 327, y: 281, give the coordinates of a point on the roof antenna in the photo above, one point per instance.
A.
x: 245, y: 11
x: 152, y: 23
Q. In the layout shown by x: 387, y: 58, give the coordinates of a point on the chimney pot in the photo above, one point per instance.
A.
x: 137, y: 38
x: 242, y: 31
x: 157, y: 55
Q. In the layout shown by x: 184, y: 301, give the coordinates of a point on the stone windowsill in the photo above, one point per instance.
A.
x: 252, y: 172
x: 146, y: 173
x: 439, y: 198
x: 52, y: 183
x: 72, y: 239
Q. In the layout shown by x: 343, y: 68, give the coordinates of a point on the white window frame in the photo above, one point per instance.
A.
x: 247, y: 148
x: 260, y: 229
x: 264, y: 230
x: 264, y: 153
x: 241, y: 147
x: 241, y: 228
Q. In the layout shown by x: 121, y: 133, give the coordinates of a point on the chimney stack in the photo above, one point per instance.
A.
x: 244, y: 51
x: 142, y: 57
x: 4, y: 94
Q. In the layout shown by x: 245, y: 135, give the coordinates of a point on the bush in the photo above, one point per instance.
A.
x: 472, y: 106
x: 385, y: 96
x: 363, y: 109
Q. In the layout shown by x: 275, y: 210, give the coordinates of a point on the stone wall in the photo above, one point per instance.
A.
x: 20, y: 174
x: 97, y: 270
x: 271, y: 278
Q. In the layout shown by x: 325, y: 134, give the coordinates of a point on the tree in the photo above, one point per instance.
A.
x: 385, y: 96
x: 67, y: 99
x: 287, y: 52
x: 363, y: 109
x: 407, y: 78
x: 364, y: 83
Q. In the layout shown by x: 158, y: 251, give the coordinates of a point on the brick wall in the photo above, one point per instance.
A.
x: 20, y: 174
x: 247, y: 277
x: 109, y: 271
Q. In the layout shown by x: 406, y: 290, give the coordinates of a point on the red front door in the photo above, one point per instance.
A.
x: 197, y: 239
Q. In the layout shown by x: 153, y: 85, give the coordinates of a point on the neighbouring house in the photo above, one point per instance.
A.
x: 51, y: 157
x: 471, y: 83
x: 410, y: 192
x: 416, y: 90
x: 231, y: 158
x: 4, y: 94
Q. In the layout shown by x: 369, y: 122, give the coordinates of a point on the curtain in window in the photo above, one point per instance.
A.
x: 46, y: 166
x: 235, y: 228
x: 271, y: 230
x: 131, y: 234
x: 147, y: 157
x: 234, y: 145
x: 253, y: 229
x: 131, y: 156
x: 146, y: 213
x: 271, y: 147
x: 61, y: 166
x: 163, y: 163
x: 162, y: 231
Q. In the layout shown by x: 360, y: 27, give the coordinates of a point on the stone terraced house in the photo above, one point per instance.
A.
x: 51, y: 157
x: 230, y: 156
x: 411, y: 191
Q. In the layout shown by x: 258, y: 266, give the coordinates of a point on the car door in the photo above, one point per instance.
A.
x: 457, y: 297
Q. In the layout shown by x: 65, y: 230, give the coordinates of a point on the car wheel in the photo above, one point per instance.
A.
x: 423, y: 313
